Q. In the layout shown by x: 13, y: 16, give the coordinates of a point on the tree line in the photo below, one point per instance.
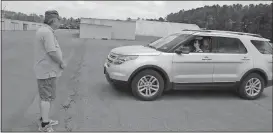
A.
x: 250, y: 18
x: 71, y: 23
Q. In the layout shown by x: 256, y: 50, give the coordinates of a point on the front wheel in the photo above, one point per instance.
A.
x: 251, y: 87
x: 147, y: 85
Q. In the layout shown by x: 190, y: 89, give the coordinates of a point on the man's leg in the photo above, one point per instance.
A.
x: 53, y: 96
x: 47, y: 89
x: 45, y: 108
x: 40, y: 107
x: 52, y: 122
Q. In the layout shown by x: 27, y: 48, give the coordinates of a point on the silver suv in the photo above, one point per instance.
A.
x: 241, y: 61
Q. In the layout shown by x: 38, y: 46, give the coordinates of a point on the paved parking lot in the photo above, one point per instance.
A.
x: 86, y: 102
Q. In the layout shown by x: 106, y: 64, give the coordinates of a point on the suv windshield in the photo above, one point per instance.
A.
x: 263, y: 46
x: 166, y: 43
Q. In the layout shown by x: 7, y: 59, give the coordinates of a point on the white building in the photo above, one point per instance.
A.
x: 17, y: 25
x: 116, y: 29
x: 108, y: 29
x: 161, y: 29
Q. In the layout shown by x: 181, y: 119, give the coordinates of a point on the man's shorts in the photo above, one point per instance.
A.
x: 47, y: 88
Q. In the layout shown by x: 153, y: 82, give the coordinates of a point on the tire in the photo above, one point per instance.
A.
x: 158, y: 82
x: 243, y: 93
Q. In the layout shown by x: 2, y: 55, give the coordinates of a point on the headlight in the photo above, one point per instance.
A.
x: 123, y: 58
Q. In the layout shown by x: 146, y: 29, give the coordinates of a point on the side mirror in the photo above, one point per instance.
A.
x: 178, y: 51
x: 183, y: 50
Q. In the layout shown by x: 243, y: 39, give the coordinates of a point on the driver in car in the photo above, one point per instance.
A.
x: 204, y: 47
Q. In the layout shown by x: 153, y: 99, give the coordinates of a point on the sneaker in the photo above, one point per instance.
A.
x: 47, y: 128
x: 51, y: 122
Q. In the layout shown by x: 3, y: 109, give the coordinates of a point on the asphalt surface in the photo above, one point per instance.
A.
x: 86, y: 102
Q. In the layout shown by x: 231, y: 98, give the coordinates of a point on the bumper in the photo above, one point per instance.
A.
x: 119, y: 72
x: 114, y: 81
x: 269, y: 83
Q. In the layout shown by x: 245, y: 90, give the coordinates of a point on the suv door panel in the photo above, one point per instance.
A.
x: 228, y: 67
x: 229, y: 64
x: 192, y: 68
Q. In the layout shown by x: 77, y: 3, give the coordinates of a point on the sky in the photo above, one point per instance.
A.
x: 113, y: 9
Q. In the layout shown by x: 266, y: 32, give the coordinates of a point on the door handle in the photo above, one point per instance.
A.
x: 245, y: 58
x: 206, y: 59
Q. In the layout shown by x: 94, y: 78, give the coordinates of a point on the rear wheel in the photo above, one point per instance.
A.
x: 147, y: 85
x: 251, y: 87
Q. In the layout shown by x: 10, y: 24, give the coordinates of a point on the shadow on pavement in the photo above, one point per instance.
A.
x: 222, y: 94
x: 121, y: 92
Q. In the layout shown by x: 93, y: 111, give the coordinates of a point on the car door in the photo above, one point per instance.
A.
x: 192, y: 68
x: 230, y: 58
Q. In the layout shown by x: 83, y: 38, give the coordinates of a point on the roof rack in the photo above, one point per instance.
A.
x: 230, y: 32
x: 196, y: 30
x: 238, y: 33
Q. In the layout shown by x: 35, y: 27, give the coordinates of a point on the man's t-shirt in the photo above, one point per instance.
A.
x: 45, y: 41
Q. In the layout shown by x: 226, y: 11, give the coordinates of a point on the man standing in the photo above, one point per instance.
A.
x: 48, y: 66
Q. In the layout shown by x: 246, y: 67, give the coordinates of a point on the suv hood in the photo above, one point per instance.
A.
x: 135, y: 50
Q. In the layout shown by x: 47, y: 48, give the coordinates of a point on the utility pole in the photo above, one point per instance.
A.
x: 4, y: 11
x: 4, y: 16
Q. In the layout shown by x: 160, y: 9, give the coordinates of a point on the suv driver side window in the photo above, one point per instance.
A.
x: 200, y: 40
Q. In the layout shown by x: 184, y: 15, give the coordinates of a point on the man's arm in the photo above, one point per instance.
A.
x: 49, y: 43
x: 197, y: 47
x: 199, y: 50
x: 53, y: 55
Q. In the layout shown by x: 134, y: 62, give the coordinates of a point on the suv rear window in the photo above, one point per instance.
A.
x: 229, y: 45
x: 263, y: 47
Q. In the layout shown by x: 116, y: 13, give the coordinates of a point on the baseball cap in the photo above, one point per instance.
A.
x: 51, y: 14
